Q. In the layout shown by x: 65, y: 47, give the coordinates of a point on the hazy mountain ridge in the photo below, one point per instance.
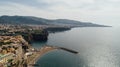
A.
x: 41, y: 21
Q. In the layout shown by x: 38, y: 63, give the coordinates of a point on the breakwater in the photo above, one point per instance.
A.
x: 69, y: 50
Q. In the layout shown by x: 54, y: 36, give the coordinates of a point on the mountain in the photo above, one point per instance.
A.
x: 41, y: 21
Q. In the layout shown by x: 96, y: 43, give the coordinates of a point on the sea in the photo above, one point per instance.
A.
x: 97, y: 47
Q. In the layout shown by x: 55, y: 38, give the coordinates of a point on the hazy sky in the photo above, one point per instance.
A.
x: 97, y: 11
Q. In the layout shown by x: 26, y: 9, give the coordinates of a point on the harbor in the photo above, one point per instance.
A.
x: 37, y: 54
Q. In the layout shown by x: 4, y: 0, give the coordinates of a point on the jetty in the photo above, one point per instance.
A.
x: 65, y: 49
x: 69, y: 50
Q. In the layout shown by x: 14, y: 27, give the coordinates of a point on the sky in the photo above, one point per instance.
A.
x: 97, y: 11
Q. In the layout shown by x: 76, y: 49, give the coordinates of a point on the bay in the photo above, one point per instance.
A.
x: 97, y: 47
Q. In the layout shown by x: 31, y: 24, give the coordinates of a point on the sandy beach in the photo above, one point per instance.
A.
x: 36, y: 55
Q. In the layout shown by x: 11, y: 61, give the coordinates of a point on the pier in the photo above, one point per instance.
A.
x: 63, y: 48
x: 69, y: 50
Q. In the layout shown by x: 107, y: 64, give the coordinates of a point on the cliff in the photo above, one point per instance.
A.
x: 35, y: 35
x: 40, y: 36
x: 57, y: 29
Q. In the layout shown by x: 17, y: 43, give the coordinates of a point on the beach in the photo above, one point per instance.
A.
x: 37, y: 54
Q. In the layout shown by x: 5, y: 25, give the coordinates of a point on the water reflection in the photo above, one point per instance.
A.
x: 98, y: 47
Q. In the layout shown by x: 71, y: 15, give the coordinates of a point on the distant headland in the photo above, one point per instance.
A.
x: 31, y: 20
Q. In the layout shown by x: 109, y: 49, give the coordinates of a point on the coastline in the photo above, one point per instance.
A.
x: 38, y: 54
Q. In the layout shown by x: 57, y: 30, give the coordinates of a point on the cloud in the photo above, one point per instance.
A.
x: 31, y: 3
x: 114, y: 0
x: 66, y: 3
x: 20, y: 9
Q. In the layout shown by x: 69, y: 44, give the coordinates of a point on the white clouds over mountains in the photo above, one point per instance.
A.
x: 106, y: 11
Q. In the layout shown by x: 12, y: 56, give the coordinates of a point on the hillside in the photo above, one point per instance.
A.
x: 41, y: 21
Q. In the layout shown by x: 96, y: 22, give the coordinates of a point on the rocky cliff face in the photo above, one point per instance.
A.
x: 43, y: 36
x: 35, y: 35
x: 57, y: 29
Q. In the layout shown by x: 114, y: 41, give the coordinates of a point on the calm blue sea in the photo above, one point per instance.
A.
x: 97, y: 47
